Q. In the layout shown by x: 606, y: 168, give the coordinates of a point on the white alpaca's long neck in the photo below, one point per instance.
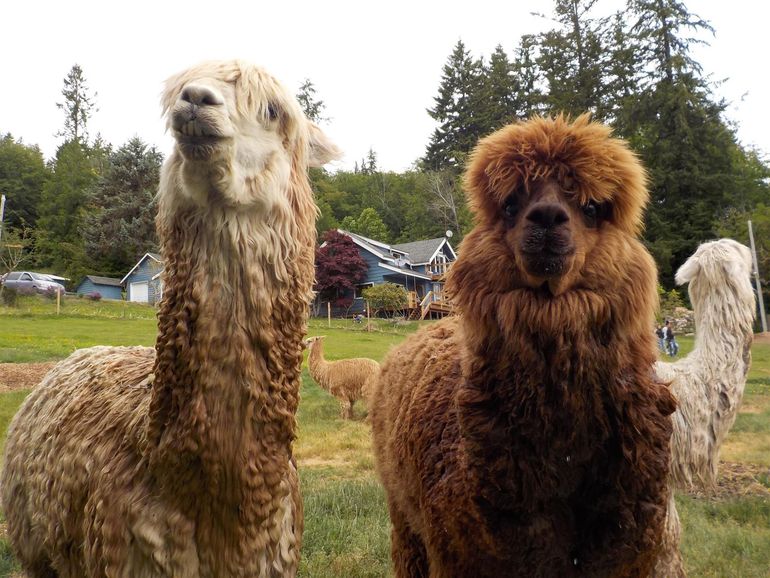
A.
x: 229, y: 350
x: 723, y: 328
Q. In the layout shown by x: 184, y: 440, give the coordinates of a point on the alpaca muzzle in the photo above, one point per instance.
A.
x: 547, y: 244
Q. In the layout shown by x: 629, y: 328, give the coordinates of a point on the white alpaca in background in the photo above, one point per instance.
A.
x: 709, y: 382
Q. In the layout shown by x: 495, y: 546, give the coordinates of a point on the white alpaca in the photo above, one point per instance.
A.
x: 177, y: 462
x: 709, y: 382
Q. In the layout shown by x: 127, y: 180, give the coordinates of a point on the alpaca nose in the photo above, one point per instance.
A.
x: 547, y: 215
x: 201, y: 95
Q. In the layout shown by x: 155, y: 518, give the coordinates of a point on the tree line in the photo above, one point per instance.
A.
x: 90, y: 208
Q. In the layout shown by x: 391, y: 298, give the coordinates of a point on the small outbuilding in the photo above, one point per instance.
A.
x: 143, y: 283
x: 106, y: 287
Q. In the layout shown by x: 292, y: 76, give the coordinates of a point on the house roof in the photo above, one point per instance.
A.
x: 153, y: 256
x: 418, y: 252
x: 421, y: 252
x: 96, y: 280
x: 403, y: 271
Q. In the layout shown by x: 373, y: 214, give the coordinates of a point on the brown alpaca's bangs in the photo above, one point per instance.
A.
x: 582, y: 156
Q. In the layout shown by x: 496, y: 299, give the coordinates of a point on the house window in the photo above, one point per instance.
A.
x: 358, y: 290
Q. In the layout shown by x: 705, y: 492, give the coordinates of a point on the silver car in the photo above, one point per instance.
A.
x: 28, y: 282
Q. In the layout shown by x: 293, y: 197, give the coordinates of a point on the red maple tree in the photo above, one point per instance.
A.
x: 338, y: 268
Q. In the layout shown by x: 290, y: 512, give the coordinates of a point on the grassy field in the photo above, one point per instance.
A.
x: 346, y: 532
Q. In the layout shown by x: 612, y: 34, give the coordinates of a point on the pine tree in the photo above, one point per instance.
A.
x: 313, y: 108
x: 121, y: 227
x: 457, y: 110
x: 78, y: 106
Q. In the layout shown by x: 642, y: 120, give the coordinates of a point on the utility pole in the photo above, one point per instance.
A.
x: 2, y: 215
x: 762, y: 317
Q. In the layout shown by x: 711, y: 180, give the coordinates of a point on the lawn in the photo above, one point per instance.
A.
x: 346, y: 532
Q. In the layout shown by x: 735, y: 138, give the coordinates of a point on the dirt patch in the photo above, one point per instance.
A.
x: 737, y: 480
x: 15, y: 376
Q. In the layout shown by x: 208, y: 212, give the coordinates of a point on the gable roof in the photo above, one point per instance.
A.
x: 96, y: 280
x: 153, y: 256
x: 417, y: 252
x: 422, y: 252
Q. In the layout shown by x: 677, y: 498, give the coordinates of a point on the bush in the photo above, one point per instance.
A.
x: 388, y: 298
x: 95, y: 296
x: 10, y: 296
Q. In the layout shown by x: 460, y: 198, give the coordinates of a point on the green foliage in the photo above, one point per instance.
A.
x: 457, y: 109
x: 388, y: 298
x: 369, y: 224
x: 22, y: 176
x: 120, y: 226
x: 78, y: 106
x: 311, y: 106
x: 59, y: 244
x: 669, y: 301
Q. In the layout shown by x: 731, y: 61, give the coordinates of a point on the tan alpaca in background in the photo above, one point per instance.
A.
x: 131, y: 464
x: 346, y: 379
x: 709, y: 382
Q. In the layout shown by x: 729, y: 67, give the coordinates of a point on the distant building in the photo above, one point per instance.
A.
x: 143, y: 283
x: 107, y: 287
x: 419, y: 266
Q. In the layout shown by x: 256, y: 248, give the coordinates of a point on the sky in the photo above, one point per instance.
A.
x: 376, y: 65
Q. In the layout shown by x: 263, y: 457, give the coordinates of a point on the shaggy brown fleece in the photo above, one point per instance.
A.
x: 177, y: 462
x: 528, y: 437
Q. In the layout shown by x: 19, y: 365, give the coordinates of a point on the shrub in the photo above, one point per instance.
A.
x: 388, y: 298
x: 10, y: 296
x: 95, y: 296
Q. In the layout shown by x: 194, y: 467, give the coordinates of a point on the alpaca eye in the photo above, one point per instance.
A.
x: 592, y: 212
x: 272, y: 111
x: 511, y: 207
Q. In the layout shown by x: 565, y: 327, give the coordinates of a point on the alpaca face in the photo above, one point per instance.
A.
x: 547, y: 232
x: 552, y: 201
x: 239, y: 134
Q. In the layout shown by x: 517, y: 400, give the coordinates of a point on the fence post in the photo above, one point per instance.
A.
x: 368, y: 317
x: 329, y: 312
x: 58, y: 301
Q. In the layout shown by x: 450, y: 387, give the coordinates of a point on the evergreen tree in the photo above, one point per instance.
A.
x: 457, y: 110
x: 22, y: 176
x: 676, y: 125
x: 121, y: 227
x: 500, y: 90
x: 78, y: 106
x: 59, y: 233
x: 573, y: 60
x: 529, y: 95
x: 311, y: 106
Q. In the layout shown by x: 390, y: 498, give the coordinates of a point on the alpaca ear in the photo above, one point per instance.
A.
x: 322, y: 150
x: 688, y: 271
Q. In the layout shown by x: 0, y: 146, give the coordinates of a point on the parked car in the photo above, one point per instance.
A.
x: 28, y: 282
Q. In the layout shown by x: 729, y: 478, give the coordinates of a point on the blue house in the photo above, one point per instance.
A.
x: 143, y: 283
x: 419, y: 266
x: 107, y: 287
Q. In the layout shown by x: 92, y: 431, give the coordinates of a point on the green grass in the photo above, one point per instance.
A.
x: 728, y: 539
x: 346, y: 521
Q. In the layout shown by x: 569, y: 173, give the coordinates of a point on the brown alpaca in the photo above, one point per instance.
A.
x: 129, y: 462
x: 528, y: 437
x: 346, y: 379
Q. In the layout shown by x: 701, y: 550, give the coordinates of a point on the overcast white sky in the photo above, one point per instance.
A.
x: 376, y: 65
